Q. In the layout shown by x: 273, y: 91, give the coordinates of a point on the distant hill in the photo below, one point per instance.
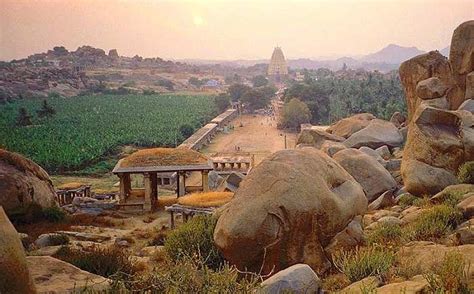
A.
x: 445, y: 51
x: 392, y: 54
x: 386, y: 59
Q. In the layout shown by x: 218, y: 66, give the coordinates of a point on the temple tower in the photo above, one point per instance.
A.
x: 277, y: 68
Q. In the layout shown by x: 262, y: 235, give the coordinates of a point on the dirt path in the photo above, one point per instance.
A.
x: 257, y: 135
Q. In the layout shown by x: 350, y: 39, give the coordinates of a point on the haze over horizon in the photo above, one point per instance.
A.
x: 228, y: 30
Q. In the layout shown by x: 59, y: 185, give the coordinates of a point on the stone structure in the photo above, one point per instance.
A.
x: 150, y: 163
x: 277, y: 69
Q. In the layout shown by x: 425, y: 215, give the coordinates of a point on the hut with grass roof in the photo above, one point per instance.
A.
x: 152, y: 162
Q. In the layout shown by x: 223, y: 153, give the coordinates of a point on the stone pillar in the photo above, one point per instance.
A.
x: 181, y: 183
x: 14, y: 274
x: 125, y: 187
x: 151, y: 191
x: 205, y: 180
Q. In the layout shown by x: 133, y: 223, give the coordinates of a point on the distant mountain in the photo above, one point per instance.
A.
x: 392, y: 54
x: 445, y: 51
x: 386, y: 59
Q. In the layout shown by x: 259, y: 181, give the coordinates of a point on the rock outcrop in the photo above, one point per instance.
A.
x: 367, y: 171
x: 14, y: 274
x: 287, y: 210
x: 440, y: 138
x: 378, y: 133
x: 299, y: 278
x: 316, y: 138
x: 22, y: 181
x: 52, y: 275
x: 349, y: 125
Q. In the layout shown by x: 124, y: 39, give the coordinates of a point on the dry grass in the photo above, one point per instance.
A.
x: 167, y: 201
x: 163, y: 157
x: 209, y: 199
x: 70, y: 186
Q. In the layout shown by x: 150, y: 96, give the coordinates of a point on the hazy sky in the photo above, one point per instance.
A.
x: 215, y: 29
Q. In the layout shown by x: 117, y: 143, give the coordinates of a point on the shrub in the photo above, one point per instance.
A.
x: 192, y: 276
x: 58, y: 239
x: 450, y: 276
x: 158, y: 240
x: 363, y: 262
x: 54, y: 214
x: 26, y: 214
x: 466, y: 173
x: 434, y: 223
x: 407, y: 269
x: 406, y: 200
x: 385, y: 234
x: 195, y: 239
x: 422, y: 201
x: 336, y: 282
x: 111, y: 263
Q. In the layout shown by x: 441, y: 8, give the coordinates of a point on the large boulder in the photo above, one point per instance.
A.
x: 377, y: 134
x: 52, y: 275
x: 349, y: 125
x: 461, y: 57
x: 287, y: 210
x: 419, y: 68
x: 440, y: 137
x: 22, y: 181
x: 298, y: 278
x: 367, y: 171
x: 316, y: 137
x: 14, y: 274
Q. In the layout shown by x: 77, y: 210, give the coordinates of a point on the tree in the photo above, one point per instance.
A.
x: 259, y: 81
x: 24, y: 118
x: 195, y: 82
x: 236, y: 91
x: 46, y: 110
x: 186, y: 130
x: 255, y: 99
x: 294, y: 114
x: 222, y: 101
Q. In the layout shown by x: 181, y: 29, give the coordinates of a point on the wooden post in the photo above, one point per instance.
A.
x: 154, y: 190
x: 205, y: 180
x: 171, y: 219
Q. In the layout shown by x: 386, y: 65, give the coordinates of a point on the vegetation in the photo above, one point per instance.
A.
x: 331, y: 97
x: 466, y: 173
x: 194, y: 239
x: 386, y: 234
x: 186, y: 130
x: 406, y: 200
x: 222, y: 102
x: 107, y: 262
x: 46, y: 110
x: 295, y: 113
x: 450, y: 276
x: 434, y: 223
x: 192, y: 276
x: 58, y: 239
x: 86, y: 128
x: 23, y: 118
x: 363, y: 262
x: 33, y: 212
x: 259, y: 81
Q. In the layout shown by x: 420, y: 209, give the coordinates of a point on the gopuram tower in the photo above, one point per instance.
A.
x: 277, y: 69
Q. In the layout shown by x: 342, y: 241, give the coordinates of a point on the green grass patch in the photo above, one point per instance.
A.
x: 434, y: 223
x: 85, y: 128
x: 363, y: 262
x: 451, y: 276
x: 466, y: 173
x: 194, y: 239
x: 387, y: 234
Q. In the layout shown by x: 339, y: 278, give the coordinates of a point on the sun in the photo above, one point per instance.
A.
x: 197, y: 20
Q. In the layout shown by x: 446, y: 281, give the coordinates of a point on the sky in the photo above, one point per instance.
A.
x: 220, y: 29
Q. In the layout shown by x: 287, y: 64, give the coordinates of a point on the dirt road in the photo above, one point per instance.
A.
x: 258, y: 135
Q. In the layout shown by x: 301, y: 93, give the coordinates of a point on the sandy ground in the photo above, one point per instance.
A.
x: 256, y: 134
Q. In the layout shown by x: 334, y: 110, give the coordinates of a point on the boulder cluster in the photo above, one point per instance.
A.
x: 439, y: 95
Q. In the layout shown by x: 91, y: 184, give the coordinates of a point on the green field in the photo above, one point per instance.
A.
x: 86, y: 128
